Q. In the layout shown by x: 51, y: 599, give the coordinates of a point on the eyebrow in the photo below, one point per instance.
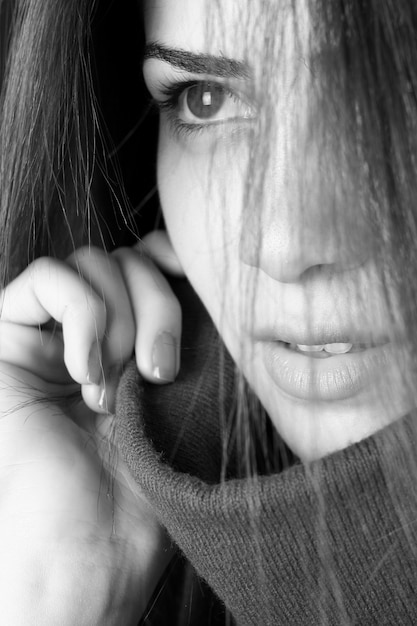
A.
x: 196, y: 63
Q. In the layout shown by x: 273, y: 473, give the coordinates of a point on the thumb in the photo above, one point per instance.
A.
x: 158, y: 247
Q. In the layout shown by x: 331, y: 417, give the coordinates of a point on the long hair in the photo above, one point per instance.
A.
x: 361, y: 57
x: 355, y: 150
x: 44, y: 113
x: 71, y: 99
x: 68, y: 163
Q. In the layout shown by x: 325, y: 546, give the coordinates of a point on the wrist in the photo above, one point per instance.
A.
x: 71, y: 583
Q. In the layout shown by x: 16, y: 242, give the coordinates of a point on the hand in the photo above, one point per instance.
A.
x: 79, y: 544
x: 106, y: 306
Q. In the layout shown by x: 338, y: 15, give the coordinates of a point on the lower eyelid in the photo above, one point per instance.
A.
x: 213, y: 131
x: 230, y: 128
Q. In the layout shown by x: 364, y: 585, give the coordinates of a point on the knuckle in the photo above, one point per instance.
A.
x: 128, y: 260
x: 88, y: 309
x: 85, y: 252
x: 43, y: 271
x: 42, y: 266
x: 120, y: 253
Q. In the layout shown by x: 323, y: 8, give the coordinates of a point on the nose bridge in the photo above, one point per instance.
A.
x: 308, y: 218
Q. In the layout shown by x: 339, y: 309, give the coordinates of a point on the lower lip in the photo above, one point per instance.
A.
x: 336, y: 378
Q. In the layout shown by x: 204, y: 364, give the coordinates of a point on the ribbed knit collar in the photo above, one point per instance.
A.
x: 329, y: 543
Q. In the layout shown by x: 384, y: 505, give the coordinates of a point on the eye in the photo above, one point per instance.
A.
x: 210, y: 102
x: 199, y: 104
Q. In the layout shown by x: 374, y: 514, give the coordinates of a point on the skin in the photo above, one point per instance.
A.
x: 79, y: 542
x: 303, y: 265
x: 71, y: 553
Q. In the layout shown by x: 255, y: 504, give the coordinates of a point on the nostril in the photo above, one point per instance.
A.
x: 290, y: 253
x: 321, y: 270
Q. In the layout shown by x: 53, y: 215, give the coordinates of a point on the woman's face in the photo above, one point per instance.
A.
x: 281, y: 258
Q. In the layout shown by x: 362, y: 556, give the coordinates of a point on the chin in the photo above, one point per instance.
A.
x: 315, y: 430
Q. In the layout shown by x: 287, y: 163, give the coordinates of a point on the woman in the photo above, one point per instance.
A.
x: 286, y: 169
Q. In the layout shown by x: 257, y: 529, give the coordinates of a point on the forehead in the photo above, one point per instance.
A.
x: 185, y: 23
x: 240, y: 29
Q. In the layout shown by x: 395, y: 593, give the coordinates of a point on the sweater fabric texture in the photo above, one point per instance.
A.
x: 332, y: 542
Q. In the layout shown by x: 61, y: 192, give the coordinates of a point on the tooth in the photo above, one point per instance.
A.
x: 309, y: 348
x: 338, y: 348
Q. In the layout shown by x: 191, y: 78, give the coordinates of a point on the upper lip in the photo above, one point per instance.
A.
x: 321, y: 314
x: 320, y: 335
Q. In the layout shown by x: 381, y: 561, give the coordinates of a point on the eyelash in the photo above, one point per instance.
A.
x: 172, y: 93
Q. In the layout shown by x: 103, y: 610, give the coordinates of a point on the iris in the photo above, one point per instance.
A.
x: 204, y: 100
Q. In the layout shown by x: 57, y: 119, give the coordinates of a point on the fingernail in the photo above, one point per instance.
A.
x: 164, y: 357
x: 95, y: 367
x: 102, y: 401
x: 108, y: 388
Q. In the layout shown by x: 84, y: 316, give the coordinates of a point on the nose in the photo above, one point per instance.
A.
x: 307, y: 224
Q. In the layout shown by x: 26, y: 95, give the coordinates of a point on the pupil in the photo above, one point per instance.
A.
x: 205, y: 100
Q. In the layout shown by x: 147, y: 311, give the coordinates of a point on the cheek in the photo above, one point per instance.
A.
x: 203, y: 214
x: 185, y: 210
x: 202, y: 217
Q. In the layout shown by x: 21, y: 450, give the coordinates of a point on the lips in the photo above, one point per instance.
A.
x: 324, y: 363
x: 323, y: 335
x: 289, y: 319
x: 323, y: 351
x: 332, y: 378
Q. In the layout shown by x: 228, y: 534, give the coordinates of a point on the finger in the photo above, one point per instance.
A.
x: 47, y: 289
x: 101, y: 398
x: 100, y: 270
x: 158, y: 247
x: 102, y: 273
x: 157, y: 314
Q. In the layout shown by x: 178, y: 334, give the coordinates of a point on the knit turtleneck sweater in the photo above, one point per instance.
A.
x: 333, y: 542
